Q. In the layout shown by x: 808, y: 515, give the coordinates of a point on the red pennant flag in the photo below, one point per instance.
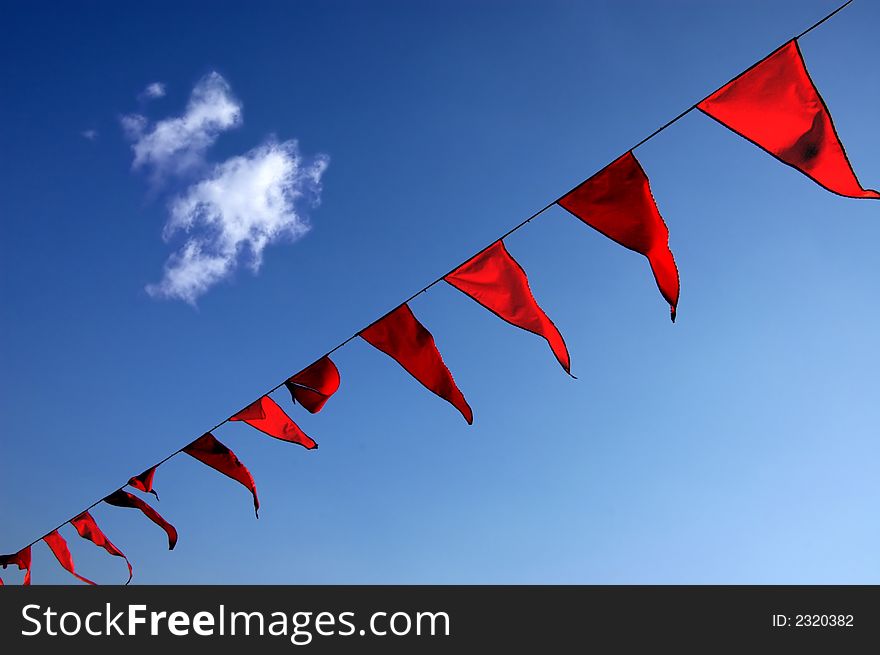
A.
x: 496, y: 281
x: 617, y: 202
x: 266, y: 416
x: 88, y: 529
x: 59, y: 548
x: 144, y: 482
x: 21, y: 559
x: 400, y: 336
x: 312, y: 386
x: 776, y: 106
x: 122, y: 498
x: 211, y: 452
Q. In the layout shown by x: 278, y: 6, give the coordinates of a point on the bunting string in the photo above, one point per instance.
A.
x: 773, y: 103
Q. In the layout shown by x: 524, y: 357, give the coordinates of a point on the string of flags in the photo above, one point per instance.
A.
x: 774, y: 104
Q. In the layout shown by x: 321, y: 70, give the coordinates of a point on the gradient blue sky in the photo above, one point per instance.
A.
x: 739, y: 445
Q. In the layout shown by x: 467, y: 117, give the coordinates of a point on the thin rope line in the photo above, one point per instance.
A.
x: 479, y: 252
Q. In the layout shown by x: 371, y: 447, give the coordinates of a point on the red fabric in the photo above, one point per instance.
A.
x: 122, y: 498
x: 617, y: 202
x: 776, y: 106
x: 59, y: 548
x: 400, y: 336
x: 266, y: 416
x: 88, y: 529
x: 312, y: 386
x: 144, y: 481
x: 496, y: 281
x: 212, y: 453
x: 21, y: 559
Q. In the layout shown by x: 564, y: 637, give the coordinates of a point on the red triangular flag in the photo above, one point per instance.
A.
x: 400, y: 336
x: 776, y: 106
x: 312, y: 386
x: 122, y: 498
x: 144, y: 482
x: 617, y: 202
x: 496, y: 281
x: 88, y: 529
x: 21, y: 559
x: 266, y: 416
x: 208, y: 450
x: 59, y: 548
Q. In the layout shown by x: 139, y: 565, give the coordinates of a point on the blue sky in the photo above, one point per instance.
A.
x: 737, y: 446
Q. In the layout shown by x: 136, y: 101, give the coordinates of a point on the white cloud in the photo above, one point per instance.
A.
x: 133, y: 125
x: 154, y: 90
x: 91, y: 135
x: 232, y: 214
x: 177, y: 145
x: 231, y: 211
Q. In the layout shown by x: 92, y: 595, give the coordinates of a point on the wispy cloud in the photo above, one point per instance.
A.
x: 177, y: 145
x: 154, y: 90
x: 91, y: 135
x: 230, y: 211
x: 232, y: 214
